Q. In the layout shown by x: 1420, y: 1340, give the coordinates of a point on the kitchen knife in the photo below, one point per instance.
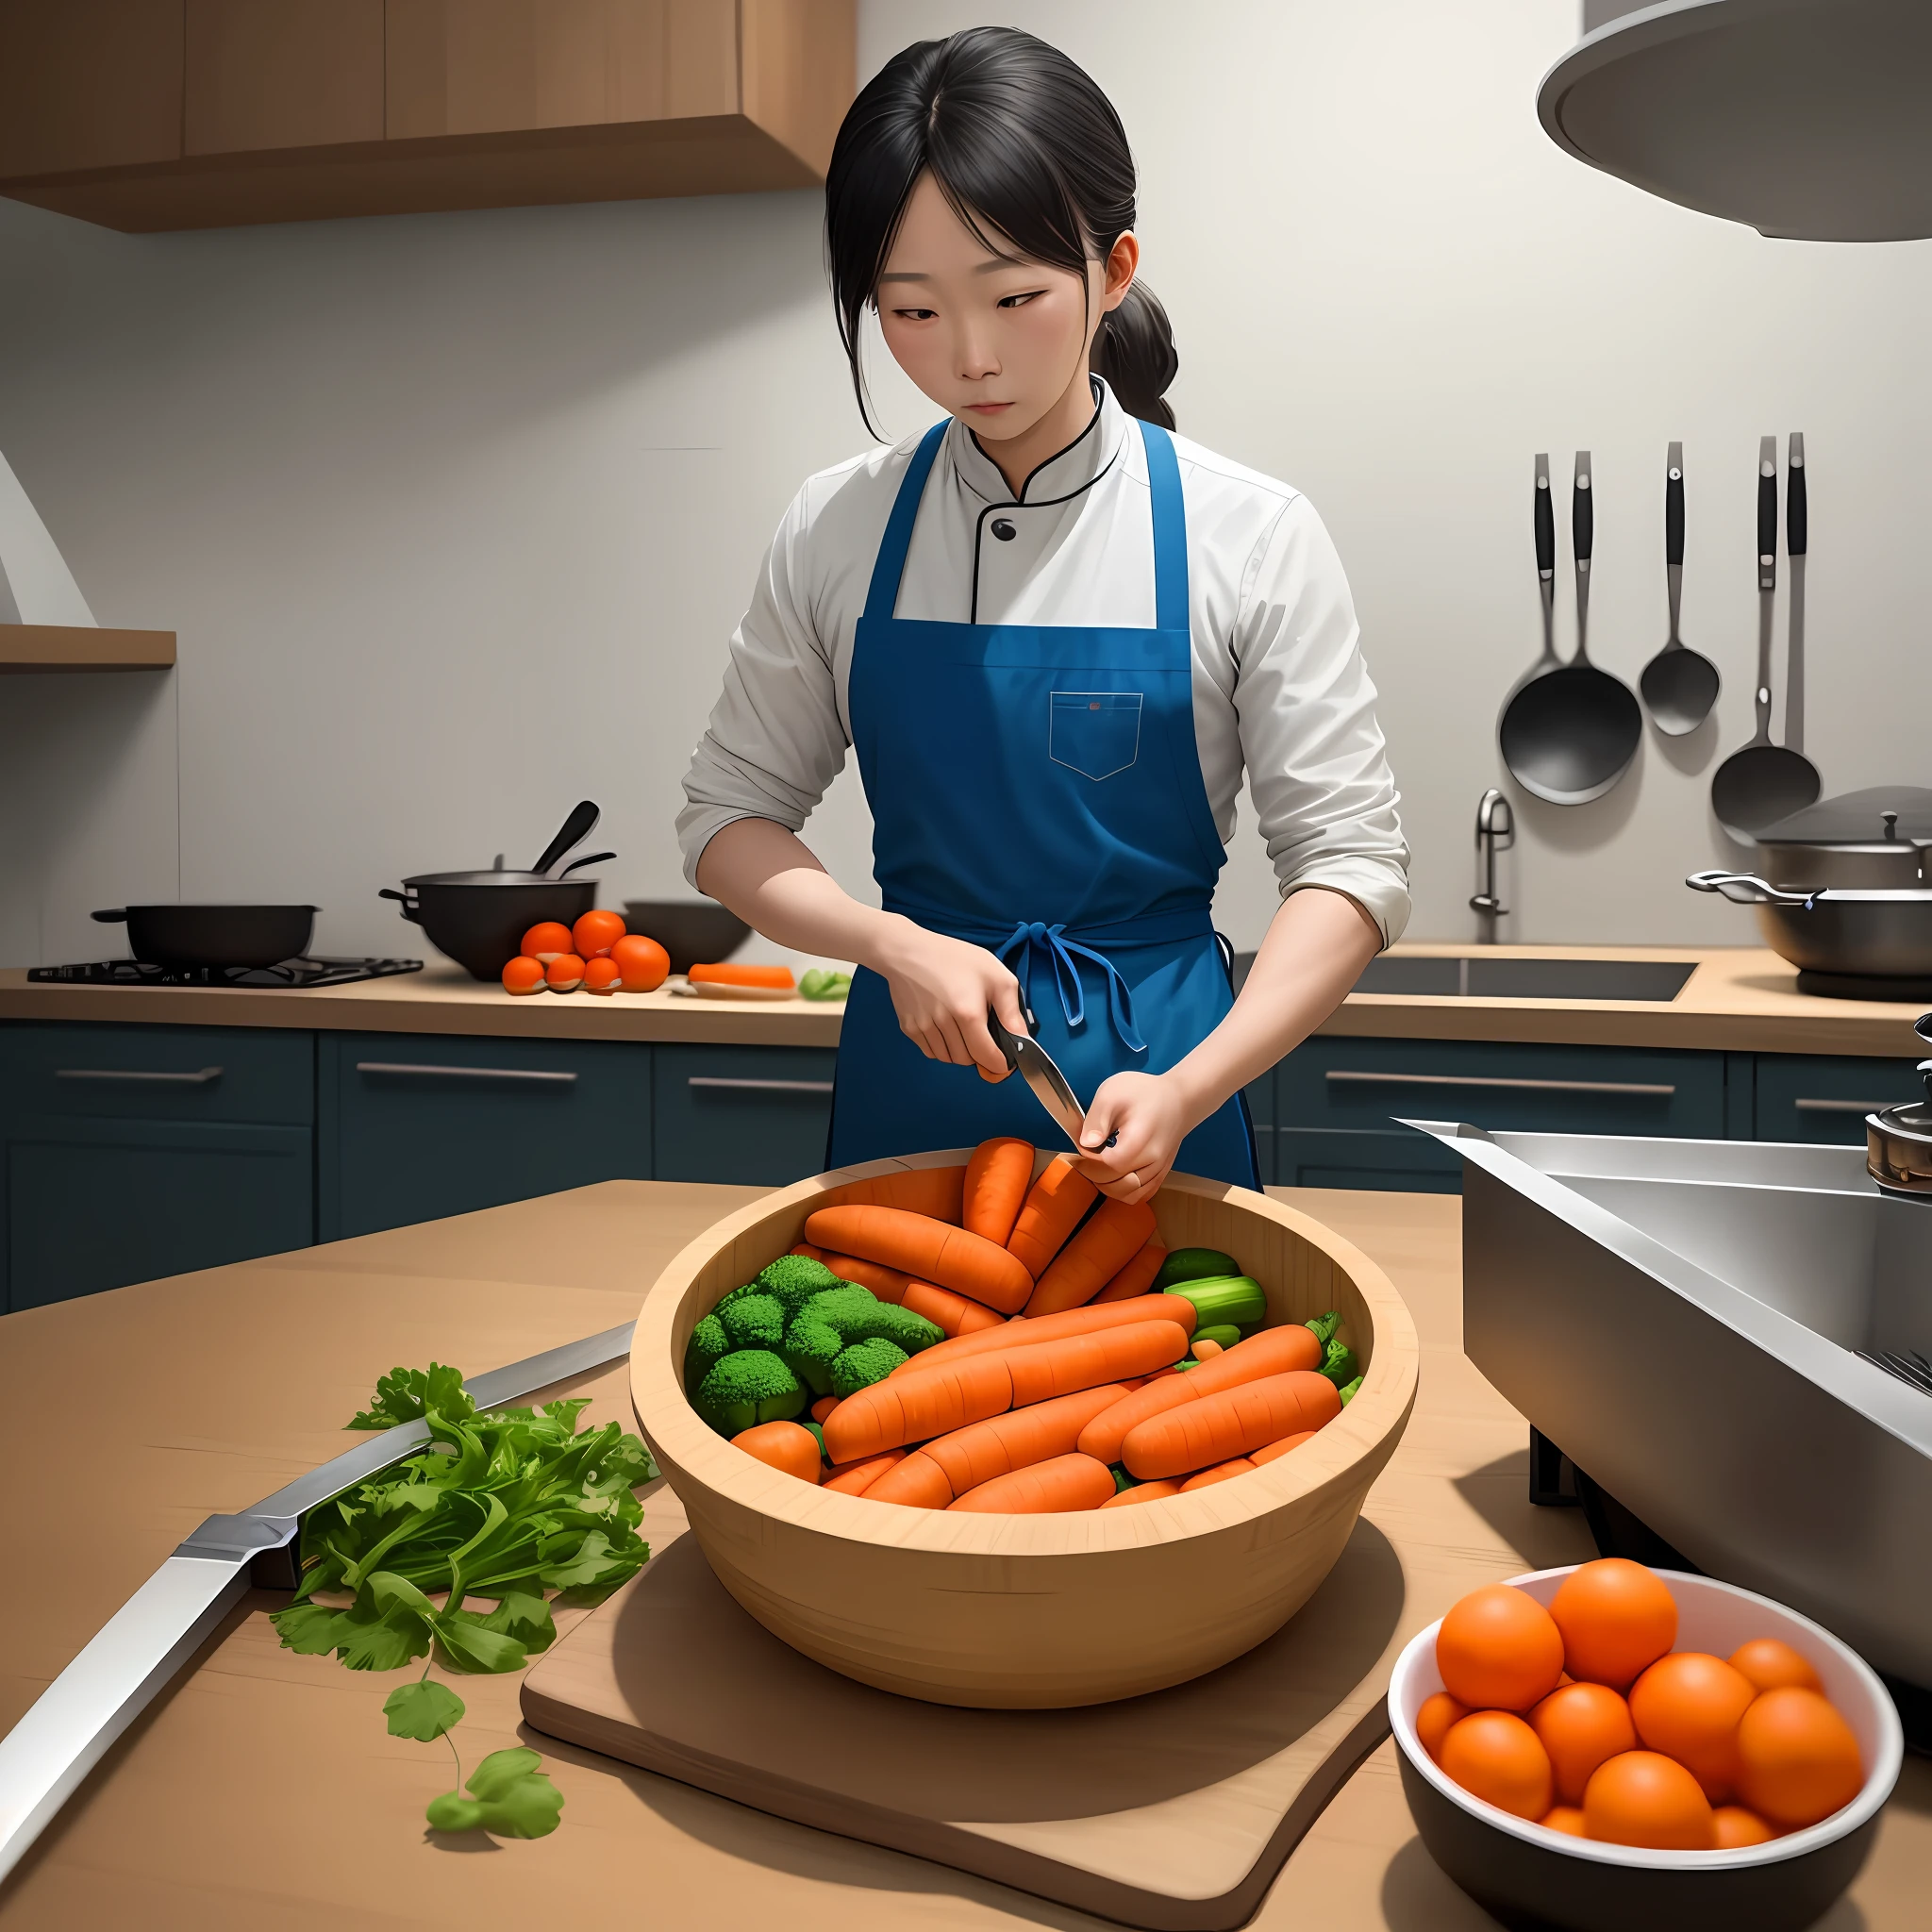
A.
x: 67, y: 1730
x: 1025, y: 1056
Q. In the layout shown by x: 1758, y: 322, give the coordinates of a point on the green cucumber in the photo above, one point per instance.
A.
x: 817, y: 1435
x: 1193, y: 1264
x: 1225, y: 1333
x: 1223, y: 1300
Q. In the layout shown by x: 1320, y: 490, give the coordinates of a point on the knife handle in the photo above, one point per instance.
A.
x: 1767, y: 513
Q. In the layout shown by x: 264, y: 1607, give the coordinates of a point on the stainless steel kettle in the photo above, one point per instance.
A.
x: 1898, y: 1140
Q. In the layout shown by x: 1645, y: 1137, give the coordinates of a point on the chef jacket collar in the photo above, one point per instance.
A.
x: 1064, y: 474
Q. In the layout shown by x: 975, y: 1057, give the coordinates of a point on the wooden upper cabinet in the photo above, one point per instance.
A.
x: 88, y: 84
x: 154, y: 114
x: 266, y: 75
x: 491, y: 66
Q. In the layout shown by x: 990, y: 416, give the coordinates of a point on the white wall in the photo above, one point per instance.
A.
x: 453, y: 514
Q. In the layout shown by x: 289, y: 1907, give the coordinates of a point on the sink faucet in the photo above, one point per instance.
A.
x: 1495, y: 831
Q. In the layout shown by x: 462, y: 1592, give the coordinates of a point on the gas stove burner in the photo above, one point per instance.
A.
x: 291, y: 973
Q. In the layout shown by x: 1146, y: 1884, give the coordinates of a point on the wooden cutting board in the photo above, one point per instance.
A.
x: 1174, y: 1810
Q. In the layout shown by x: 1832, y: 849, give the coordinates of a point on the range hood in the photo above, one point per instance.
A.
x: 1806, y: 118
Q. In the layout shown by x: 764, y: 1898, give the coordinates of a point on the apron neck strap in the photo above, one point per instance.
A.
x: 889, y: 565
x: 1170, y: 529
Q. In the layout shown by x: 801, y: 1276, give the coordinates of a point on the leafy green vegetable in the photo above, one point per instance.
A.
x: 422, y: 1710
x: 502, y: 1506
x: 509, y: 1798
x: 820, y: 984
x: 1339, y: 1365
x: 1324, y: 1327
x: 1350, y: 1390
x: 404, y: 1395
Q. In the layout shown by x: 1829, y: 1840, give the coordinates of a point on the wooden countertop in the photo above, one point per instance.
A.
x: 264, y: 1788
x: 1740, y: 999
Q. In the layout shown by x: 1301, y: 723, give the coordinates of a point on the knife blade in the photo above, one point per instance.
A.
x: 68, y: 1728
x: 1025, y: 1056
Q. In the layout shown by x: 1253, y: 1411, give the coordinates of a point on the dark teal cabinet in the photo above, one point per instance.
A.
x: 127, y: 1153
x: 1338, y: 1102
x: 417, y: 1126
x: 759, y: 1115
x: 1810, y: 1097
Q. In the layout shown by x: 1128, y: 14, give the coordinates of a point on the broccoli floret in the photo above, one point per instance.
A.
x: 791, y: 1281
x: 707, y: 1347
x: 859, y: 1315
x: 810, y: 1349
x: 753, y: 1321
x: 750, y: 1385
x: 864, y: 1363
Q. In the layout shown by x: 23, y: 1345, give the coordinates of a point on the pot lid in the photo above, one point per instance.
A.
x: 1858, y: 818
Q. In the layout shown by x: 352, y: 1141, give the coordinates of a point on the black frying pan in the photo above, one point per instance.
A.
x: 215, y: 934
x: 1568, y: 731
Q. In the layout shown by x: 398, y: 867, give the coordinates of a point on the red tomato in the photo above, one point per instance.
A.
x: 547, y: 940
x: 565, y: 972
x: 522, y: 974
x: 646, y: 964
x: 595, y: 933
x: 601, y: 975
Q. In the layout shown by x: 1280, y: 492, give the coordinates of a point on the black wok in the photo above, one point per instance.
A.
x: 215, y: 934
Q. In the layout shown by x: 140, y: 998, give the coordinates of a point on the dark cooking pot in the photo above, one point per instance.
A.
x: 1879, y: 839
x: 692, y: 931
x: 480, y: 918
x: 1840, y: 934
x: 215, y: 934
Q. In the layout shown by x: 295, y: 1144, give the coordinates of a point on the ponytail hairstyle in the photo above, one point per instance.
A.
x: 1033, y: 159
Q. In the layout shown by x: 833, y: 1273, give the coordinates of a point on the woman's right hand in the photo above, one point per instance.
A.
x: 942, y: 989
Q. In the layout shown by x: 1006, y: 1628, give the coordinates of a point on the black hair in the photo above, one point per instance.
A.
x: 1022, y: 142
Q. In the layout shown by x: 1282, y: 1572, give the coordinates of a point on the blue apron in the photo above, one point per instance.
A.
x: 1036, y: 790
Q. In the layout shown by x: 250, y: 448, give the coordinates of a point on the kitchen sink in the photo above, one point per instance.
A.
x: 1480, y: 975
x: 1701, y: 1325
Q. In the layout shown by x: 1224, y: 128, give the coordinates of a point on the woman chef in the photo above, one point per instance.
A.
x: 1056, y: 636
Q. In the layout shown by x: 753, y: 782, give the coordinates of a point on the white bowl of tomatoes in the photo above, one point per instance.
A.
x: 1744, y: 1839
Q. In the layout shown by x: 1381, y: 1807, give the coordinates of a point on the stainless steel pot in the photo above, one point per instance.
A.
x: 1862, y: 933
x: 1878, y: 839
x: 1898, y: 1140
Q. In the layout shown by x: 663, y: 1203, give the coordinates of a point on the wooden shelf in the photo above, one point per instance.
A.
x: 76, y: 647
x: 321, y: 108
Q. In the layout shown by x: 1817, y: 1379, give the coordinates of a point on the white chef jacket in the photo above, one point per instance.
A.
x: 1280, y: 689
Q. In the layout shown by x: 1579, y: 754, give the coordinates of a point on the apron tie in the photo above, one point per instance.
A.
x: 1030, y: 936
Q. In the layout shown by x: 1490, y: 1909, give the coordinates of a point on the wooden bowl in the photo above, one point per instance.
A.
x: 1028, y: 1612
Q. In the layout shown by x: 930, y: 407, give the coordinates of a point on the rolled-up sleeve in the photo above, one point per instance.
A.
x: 775, y: 740
x: 1318, y: 768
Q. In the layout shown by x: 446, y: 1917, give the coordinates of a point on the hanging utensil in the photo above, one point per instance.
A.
x: 1568, y: 732
x: 573, y: 832
x: 1679, y: 685
x: 1797, y: 537
x: 1762, y: 782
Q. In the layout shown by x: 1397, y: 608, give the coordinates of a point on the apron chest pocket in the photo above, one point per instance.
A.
x: 1095, y: 733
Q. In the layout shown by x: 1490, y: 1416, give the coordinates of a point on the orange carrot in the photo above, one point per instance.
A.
x: 1272, y: 1352
x: 1268, y: 1451
x: 1050, y: 1214
x: 771, y: 977
x: 823, y: 1407
x: 1142, y: 1492
x: 1215, y: 1428
x: 783, y: 1446
x: 1114, y: 1233
x: 1240, y: 1465
x: 1136, y: 1278
x: 1206, y: 1348
x: 918, y: 1482
x: 914, y: 1409
x: 1022, y: 1334
x: 1021, y: 1436
x: 930, y: 1191
x: 855, y: 1478
x: 1085, y: 1361
x: 889, y: 1283
x: 950, y: 1311
x: 1046, y: 1489
x: 929, y: 1250
x: 997, y: 1178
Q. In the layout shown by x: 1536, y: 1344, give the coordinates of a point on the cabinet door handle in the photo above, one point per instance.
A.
x: 1841, y: 1105
x: 762, y: 1085
x: 525, y: 1073
x: 205, y: 1077
x: 1367, y: 1079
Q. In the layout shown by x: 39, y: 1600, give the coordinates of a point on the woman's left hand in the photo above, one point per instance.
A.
x: 1147, y: 1113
